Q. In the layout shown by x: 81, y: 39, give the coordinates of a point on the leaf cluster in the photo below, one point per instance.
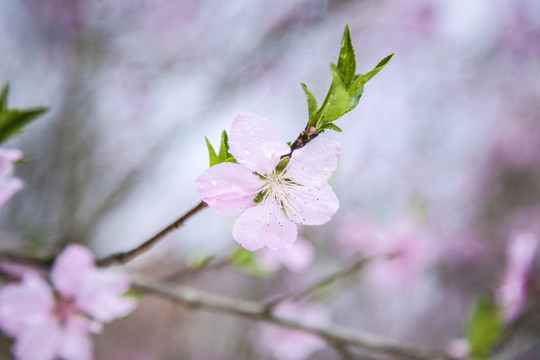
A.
x: 224, y: 154
x: 345, y: 91
x: 13, y: 121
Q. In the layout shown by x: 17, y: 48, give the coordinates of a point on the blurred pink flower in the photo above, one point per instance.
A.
x: 285, y: 344
x: 520, y: 253
x: 49, y: 323
x: 298, y: 194
x: 296, y: 259
x: 9, y: 185
x: 405, y: 239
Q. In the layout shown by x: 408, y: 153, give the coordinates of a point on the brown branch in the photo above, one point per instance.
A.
x: 249, y: 309
x: 124, y: 257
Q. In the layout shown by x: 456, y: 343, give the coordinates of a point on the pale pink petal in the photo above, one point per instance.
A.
x: 70, y: 267
x: 296, y: 259
x: 255, y: 143
x: 38, y: 342
x: 25, y: 304
x: 513, y: 290
x: 228, y: 188
x: 75, y: 342
x: 314, y: 163
x: 312, y: 205
x: 9, y: 187
x: 264, y: 224
x: 100, y: 294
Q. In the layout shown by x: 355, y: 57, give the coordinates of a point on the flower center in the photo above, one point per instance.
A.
x: 65, y: 307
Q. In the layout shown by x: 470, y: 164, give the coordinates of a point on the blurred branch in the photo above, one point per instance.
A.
x: 124, y: 257
x: 343, y: 273
x: 113, y: 259
x: 249, y: 309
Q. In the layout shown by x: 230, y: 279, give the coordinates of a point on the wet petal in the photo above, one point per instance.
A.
x: 264, y: 225
x: 228, y: 188
x: 314, y: 163
x: 25, y: 304
x: 255, y: 143
x: 100, y: 294
x: 311, y: 205
x: 70, y: 267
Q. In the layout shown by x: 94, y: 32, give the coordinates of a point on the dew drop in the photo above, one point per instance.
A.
x: 213, y: 182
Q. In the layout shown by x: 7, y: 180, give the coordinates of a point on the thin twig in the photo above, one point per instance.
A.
x: 191, y: 272
x: 124, y: 257
x: 249, y: 309
x: 343, y: 273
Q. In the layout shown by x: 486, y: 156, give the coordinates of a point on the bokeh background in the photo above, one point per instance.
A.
x: 441, y: 158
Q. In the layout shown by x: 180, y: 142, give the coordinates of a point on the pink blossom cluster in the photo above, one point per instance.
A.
x: 9, y: 185
x: 53, y: 318
x: 297, y: 194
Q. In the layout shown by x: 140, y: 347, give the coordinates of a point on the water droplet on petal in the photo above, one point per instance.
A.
x: 213, y: 182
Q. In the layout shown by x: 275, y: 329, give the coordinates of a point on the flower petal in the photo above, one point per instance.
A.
x: 70, y: 267
x: 76, y: 343
x: 314, y: 163
x: 24, y: 304
x: 100, y: 294
x: 8, y: 188
x: 264, y: 224
x: 38, y: 342
x: 255, y: 143
x: 228, y: 188
x: 311, y: 205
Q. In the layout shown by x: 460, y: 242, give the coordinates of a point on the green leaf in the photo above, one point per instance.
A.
x: 134, y: 293
x: 13, y: 121
x: 347, y: 59
x: 199, y: 260
x: 337, y: 101
x: 224, y: 154
x: 484, y: 328
x: 3, y: 97
x: 214, y: 159
x: 331, y: 126
x: 247, y: 261
x: 224, y: 148
x: 312, y: 104
x: 361, y: 79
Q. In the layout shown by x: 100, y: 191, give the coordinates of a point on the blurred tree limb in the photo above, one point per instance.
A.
x: 205, y: 301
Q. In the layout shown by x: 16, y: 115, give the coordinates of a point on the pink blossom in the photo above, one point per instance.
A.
x: 298, y: 194
x: 9, y: 185
x: 405, y: 239
x: 286, y: 344
x: 55, y: 322
x: 512, y: 293
x: 296, y: 259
